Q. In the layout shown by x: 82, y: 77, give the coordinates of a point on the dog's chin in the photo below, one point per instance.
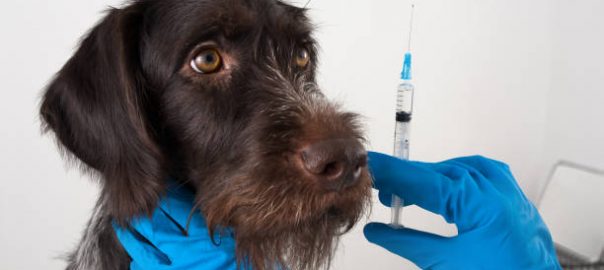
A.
x: 296, y: 231
x: 307, y: 244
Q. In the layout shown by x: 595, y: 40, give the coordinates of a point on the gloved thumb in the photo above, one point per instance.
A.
x: 421, y: 248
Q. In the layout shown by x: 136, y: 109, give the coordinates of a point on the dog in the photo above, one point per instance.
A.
x: 221, y: 97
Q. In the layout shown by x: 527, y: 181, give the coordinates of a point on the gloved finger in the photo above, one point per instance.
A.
x: 144, y: 227
x: 466, y: 204
x: 386, y: 199
x: 473, y: 177
x: 140, y: 247
x: 487, y: 167
x: 421, y: 248
x: 495, y: 172
x: 416, y: 183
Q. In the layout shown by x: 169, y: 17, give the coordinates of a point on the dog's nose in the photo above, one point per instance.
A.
x: 336, y: 163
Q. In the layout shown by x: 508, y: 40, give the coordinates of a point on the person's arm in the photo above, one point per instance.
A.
x: 498, y: 227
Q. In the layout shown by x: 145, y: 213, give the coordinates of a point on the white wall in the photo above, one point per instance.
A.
x: 575, y: 119
x: 515, y: 80
x: 43, y: 206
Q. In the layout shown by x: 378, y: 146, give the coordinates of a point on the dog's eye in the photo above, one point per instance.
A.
x: 207, y: 61
x: 302, y: 58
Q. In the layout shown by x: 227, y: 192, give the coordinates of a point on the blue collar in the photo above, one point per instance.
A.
x: 173, y: 238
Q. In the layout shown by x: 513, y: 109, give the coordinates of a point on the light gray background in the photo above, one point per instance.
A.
x: 517, y: 80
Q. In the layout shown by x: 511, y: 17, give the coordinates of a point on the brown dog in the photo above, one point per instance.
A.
x: 221, y: 96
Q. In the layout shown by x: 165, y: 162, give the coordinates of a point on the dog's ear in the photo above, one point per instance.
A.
x: 96, y: 107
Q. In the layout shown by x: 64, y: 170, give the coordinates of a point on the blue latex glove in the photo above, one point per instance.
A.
x: 164, y: 241
x: 498, y: 228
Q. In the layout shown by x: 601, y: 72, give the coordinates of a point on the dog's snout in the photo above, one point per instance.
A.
x: 336, y: 163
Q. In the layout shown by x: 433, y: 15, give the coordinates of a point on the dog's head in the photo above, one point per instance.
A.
x: 221, y: 96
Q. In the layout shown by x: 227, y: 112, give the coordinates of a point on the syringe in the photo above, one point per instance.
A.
x: 404, y: 110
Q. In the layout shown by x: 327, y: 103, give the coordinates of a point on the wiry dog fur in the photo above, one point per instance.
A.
x: 131, y: 109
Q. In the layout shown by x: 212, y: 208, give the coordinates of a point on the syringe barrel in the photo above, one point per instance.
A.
x: 404, y: 100
x: 401, y: 140
x: 404, y: 111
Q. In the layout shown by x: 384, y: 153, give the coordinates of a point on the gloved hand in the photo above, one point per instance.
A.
x: 498, y: 228
x: 175, y: 238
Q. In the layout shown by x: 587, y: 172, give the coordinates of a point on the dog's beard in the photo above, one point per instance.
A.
x: 283, y: 225
x: 307, y: 246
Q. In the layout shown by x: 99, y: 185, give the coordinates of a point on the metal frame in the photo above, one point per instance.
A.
x: 560, y: 248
